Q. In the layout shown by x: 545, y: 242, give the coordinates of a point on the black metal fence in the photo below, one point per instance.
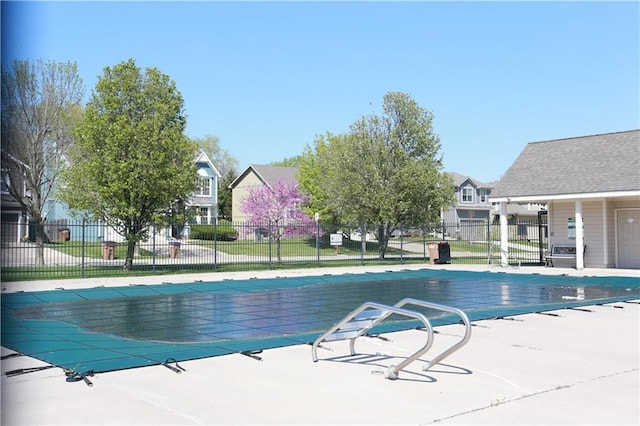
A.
x: 82, y: 249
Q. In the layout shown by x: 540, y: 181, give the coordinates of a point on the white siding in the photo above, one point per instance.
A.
x: 559, y: 212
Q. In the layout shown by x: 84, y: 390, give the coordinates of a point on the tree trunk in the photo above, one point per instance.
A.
x: 131, y: 249
x: 40, y: 239
x: 383, y: 241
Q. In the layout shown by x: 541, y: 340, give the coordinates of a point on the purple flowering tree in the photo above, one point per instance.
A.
x: 279, y: 207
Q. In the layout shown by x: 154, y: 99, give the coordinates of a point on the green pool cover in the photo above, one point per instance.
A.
x: 105, y: 329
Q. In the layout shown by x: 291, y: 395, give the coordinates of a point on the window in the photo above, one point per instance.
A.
x: 204, y: 187
x: 484, y: 193
x: 467, y: 195
x: 203, y: 215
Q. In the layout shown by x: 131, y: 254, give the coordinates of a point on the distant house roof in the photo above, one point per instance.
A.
x: 587, y: 166
x: 269, y: 175
x: 459, y: 179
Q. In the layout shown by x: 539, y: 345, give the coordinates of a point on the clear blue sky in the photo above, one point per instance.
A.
x: 266, y: 78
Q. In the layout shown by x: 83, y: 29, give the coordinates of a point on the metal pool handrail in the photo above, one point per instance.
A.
x: 461, y: 314
x: 383, y: 312
x: 369, y: 314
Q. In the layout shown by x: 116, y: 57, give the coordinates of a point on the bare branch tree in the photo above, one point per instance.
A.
x: 39, y: 103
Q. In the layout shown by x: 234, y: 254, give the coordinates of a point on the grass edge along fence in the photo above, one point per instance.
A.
x: 83, y: 250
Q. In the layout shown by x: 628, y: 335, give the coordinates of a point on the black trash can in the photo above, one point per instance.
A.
x: 444, y: 252
x: 439, y: 252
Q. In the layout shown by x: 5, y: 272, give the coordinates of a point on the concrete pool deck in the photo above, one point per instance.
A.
x: 573, y: 367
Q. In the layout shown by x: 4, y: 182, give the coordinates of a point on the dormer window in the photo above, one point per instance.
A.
x: 484, y: 195
x: 466, y: 194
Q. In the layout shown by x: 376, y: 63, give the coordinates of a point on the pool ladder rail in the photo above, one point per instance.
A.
x: 359, y: 321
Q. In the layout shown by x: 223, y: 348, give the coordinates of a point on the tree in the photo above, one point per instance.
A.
x: 220, y: 157
x: 387, y: 171
x: 40, y: 102
x: 132, y: 165
x: 225, y: 195
x: 315, y: 177
x: 277, y: 208
x: 288, y: 161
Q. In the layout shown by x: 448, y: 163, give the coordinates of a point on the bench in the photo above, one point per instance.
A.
x: 561, y: 251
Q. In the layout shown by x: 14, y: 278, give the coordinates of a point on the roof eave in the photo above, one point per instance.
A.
x: 560, y: 197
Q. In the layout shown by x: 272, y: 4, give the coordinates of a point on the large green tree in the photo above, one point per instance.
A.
x: 132, y: 165
x: 40, y: 101
x: 385, y: 172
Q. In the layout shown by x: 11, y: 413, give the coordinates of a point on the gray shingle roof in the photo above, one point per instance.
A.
x: 271, y: 175
x: 582, y: 165
x: 459, y: 179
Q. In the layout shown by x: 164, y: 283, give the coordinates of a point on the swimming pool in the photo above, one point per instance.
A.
x: 104, y: 329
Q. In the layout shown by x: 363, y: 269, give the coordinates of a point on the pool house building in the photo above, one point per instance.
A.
x: 591, y: 186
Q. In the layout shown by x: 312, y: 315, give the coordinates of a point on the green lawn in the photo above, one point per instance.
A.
x: 289, y: 247
x: 93, y: 250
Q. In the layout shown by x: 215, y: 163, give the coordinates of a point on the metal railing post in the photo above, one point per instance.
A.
x: 363, y: 243
x: 270, y: 254
x: 83, y: 250
x: 215, y: 245
x: 318, y: 241
x: 153, y: 250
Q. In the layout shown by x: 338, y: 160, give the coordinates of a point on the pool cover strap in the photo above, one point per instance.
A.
x: 20, y: 371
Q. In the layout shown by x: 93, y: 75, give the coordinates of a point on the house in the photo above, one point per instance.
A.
x: 256, y: 175
x: 13, y: 218
x: 591, y: 186
x: 473, y: 210
x: 205, y: 199
x: 472, y: 206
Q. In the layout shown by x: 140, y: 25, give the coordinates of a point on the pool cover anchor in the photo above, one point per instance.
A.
x: 177, y: 369
x: 74, y: 376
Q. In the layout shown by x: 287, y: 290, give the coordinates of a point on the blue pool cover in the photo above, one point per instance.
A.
x: 104, y: 329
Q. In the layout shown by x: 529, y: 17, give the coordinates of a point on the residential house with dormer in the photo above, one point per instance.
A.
x: 205, y: 198
x: 472, y: 207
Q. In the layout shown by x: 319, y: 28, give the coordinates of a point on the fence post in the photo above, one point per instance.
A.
x: 317, y: 239
x: 215, y: 245
x: 401, y: 245
x: 83, y: 249
x: 153, y: 249
x: 270, y: 255
x: 363, y: 243
x: 489, y: 242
